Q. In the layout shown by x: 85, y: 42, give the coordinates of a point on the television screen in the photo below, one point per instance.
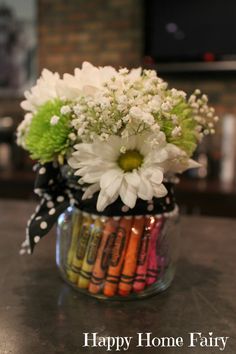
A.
x: 198, y: 30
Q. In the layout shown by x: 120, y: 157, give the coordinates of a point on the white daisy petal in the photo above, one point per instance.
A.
x: 132, y: 178
x: 110, y: 185
x: 114, y: 187
x: 73, y: 162
x: 193, y: 164
x: 159, y: 190
x: 84, y: 151
x: 156, y: 176
x: 128, y: 194
x: 109, y: 177
x: 145, y: 190
x: 130, y: 143
x: 103, y: 200
x: 92, y: 177
x: 112, y: 149
x: 91, y: 190
x: 159, y: 156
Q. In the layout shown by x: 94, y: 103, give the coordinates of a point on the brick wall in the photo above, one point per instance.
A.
x: 104, y: 32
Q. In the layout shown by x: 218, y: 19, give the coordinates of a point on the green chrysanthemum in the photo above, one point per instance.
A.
x: 44, y: 140
x: 187, y: 140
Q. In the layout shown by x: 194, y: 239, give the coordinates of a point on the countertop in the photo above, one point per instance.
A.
x: 41, y: 314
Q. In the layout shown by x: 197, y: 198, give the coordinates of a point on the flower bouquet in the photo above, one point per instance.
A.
x: 109, y: 145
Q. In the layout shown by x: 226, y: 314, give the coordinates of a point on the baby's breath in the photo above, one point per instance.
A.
x: 127, y: 103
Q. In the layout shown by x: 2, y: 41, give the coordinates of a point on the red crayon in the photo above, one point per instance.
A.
x: 144, y: 251
x: 152, y: 268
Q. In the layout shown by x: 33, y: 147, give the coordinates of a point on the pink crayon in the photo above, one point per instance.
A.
x: 145, y: 248
x: 152, y: 268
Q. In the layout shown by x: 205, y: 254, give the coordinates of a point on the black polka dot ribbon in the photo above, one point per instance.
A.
x: 57, y: 188
x: 55, y: 197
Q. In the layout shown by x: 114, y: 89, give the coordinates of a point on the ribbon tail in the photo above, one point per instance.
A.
x: 42, y: 221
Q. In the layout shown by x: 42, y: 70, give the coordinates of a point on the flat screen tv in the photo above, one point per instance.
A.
x: 188, y: 31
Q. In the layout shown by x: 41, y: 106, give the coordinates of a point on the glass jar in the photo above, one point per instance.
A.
x: 124, y: 257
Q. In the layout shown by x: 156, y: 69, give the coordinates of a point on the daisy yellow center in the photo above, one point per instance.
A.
x: 130, y: 160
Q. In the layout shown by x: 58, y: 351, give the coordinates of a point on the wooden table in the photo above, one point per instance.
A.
x: 41, y: 314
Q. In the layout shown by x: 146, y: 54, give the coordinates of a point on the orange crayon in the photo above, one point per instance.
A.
x: 103, y: 256
x: 131, y: 257
x: 144, y: 251
x: 117, y: 257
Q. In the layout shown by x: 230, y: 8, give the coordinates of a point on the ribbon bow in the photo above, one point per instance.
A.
x: 56, y: 196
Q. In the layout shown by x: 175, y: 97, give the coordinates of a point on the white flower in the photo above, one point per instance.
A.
x: 22, y: 129
x: 123, y: 71
x: 166, y: 106
x: 155, y: 103
x: 72, y: 136
x: 65, y: 109
x: 136, y: 173
x: 54, y: 120
x: 86, y: 81
x: 134, y: 74
x: 178, y: 161
x: 45, y: 90
x: 177, y: 131
x: 136, y: 112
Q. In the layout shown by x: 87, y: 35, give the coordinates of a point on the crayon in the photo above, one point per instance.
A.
x: 91, y: 253
x: 76, y: 219
x: 103, y: 256
x: 117, y: 257
x: 76, y: 225
x: 152, y: 268
x: 81, y: 247
x: 163, y: 254
x: 144, y: 251
x: 131, y: 257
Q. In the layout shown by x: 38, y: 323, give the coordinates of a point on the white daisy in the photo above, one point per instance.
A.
x: 86, y: 81
x: 178, y: 161
x: 44, y: 90
x: 136, y: 173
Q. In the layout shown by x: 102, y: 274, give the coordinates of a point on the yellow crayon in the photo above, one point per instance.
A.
x: 81, y: 247
x: 76, y: 221
x: 76, y: 225
x: 91, y: 253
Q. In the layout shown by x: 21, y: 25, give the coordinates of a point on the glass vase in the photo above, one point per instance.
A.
x: 119, y: 258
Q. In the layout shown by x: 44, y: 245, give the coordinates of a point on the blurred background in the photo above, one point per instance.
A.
x: 191, y: 44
